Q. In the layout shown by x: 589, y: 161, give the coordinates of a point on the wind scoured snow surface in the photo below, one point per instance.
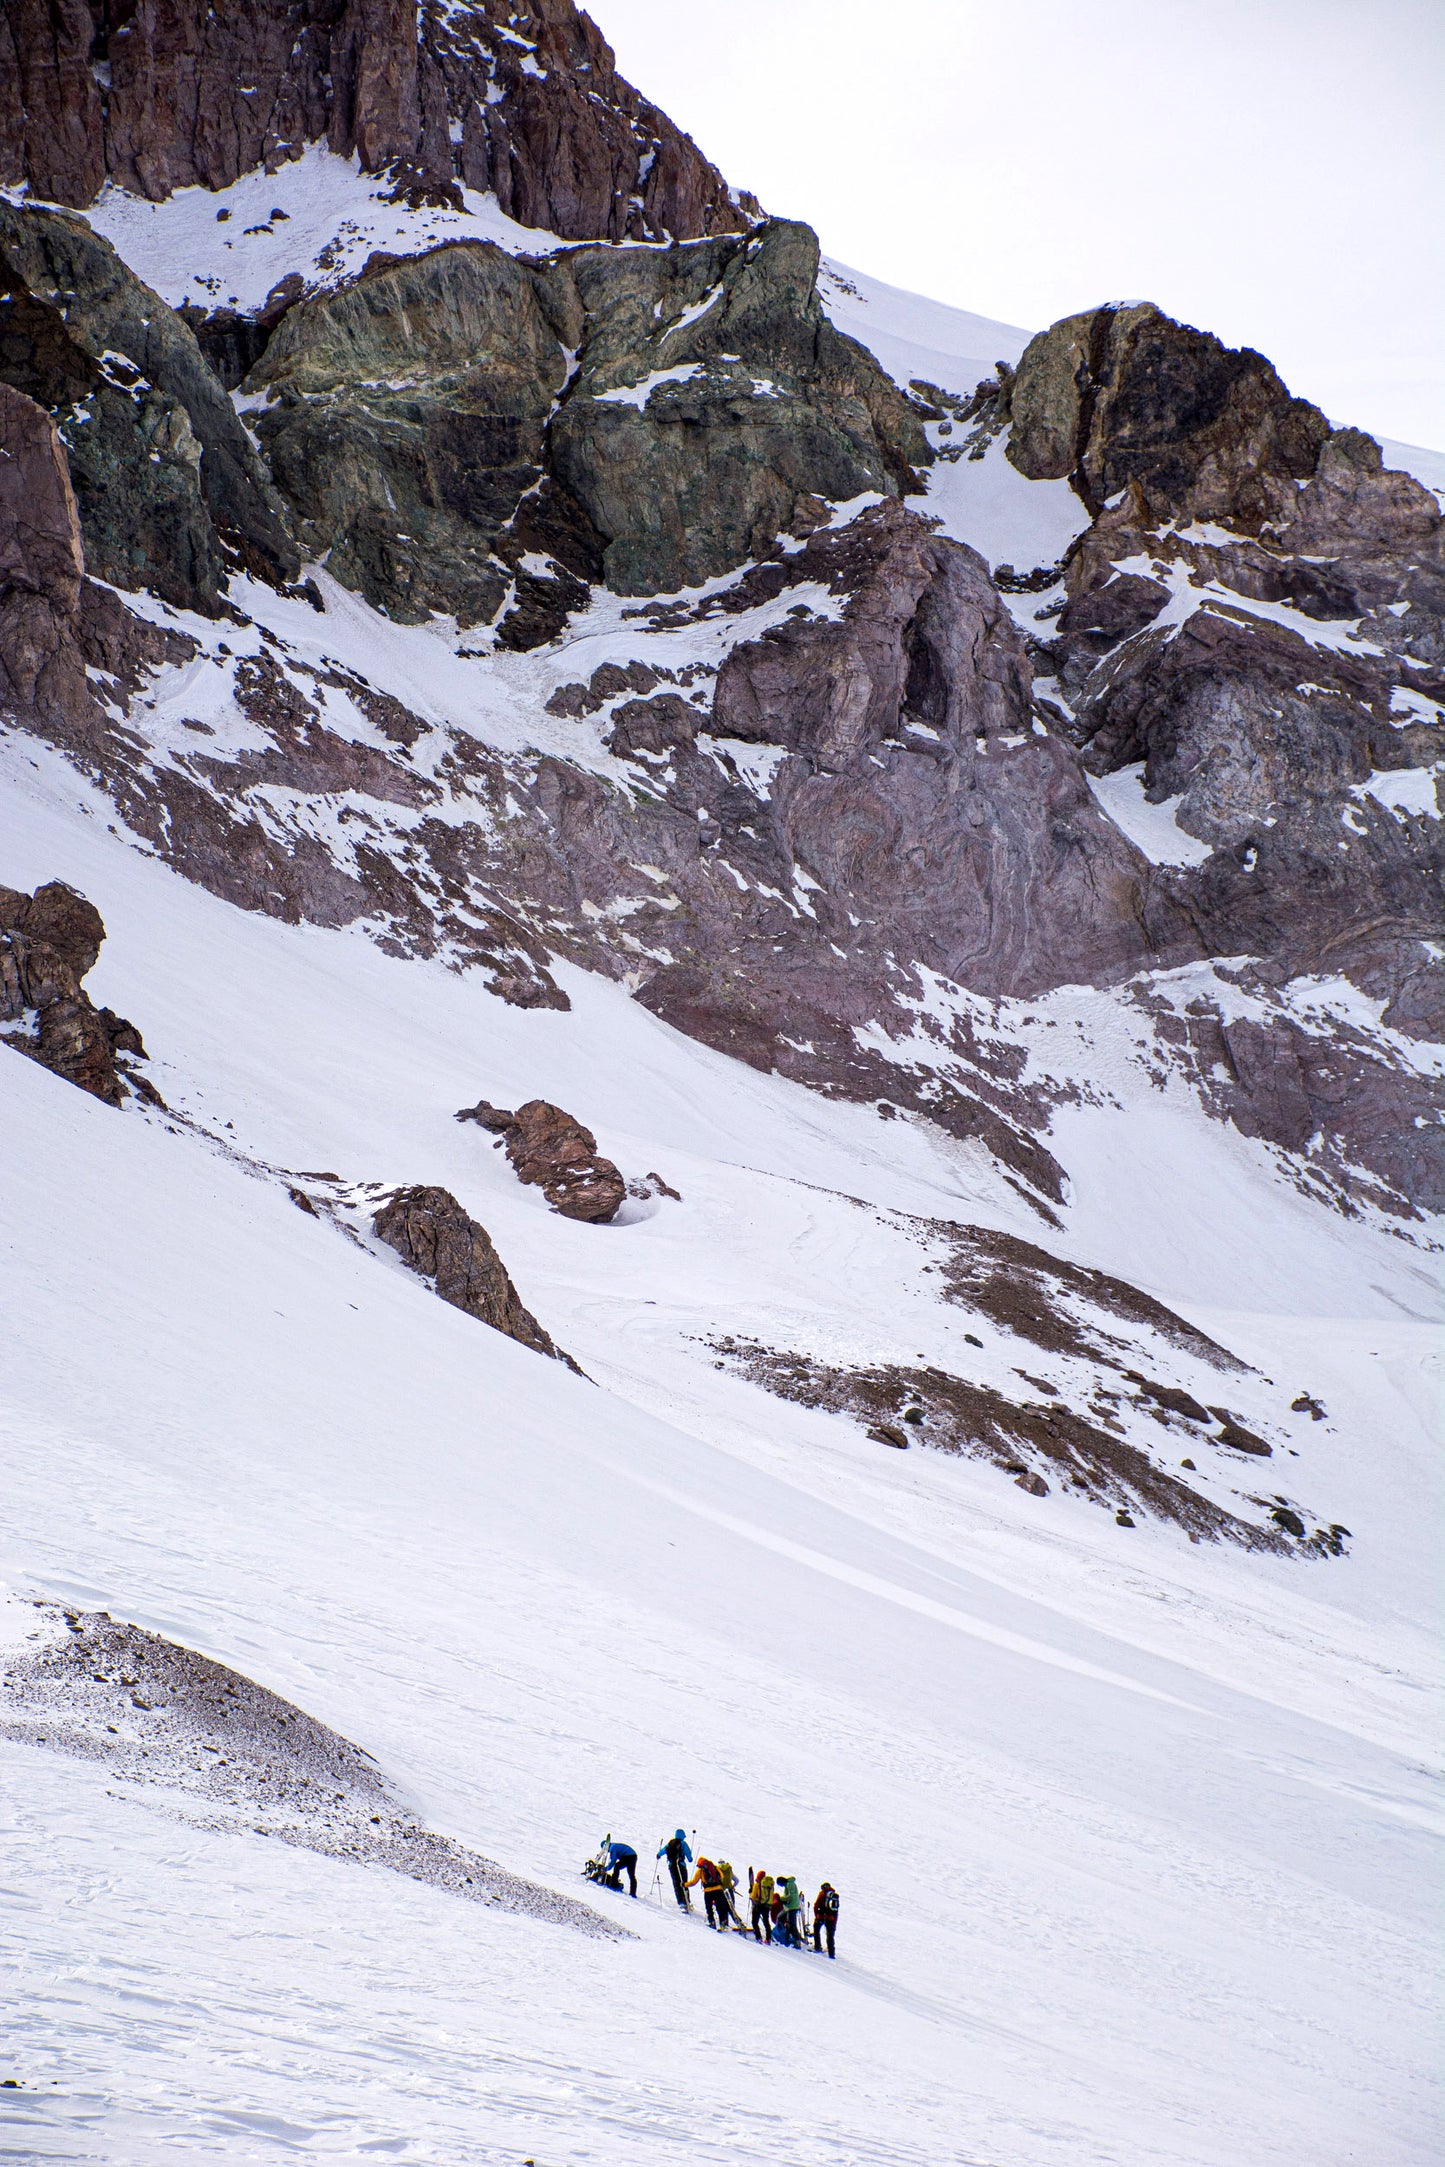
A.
x: 1136, y: 1839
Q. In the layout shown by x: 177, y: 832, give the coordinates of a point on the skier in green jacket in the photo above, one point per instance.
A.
x: 792, y: 1905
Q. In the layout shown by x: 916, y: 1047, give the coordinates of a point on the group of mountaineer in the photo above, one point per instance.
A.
x: 777, y: 1907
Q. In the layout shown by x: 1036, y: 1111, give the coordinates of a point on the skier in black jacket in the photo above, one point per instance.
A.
x: 678, y: 1854
x: 825, y: 1917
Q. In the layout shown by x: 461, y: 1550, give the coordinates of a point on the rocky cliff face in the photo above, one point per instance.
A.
x: 169, y: 489
x: 523, y: 100
x: 468, y: 433
x: 1256, y: 616
x: 700, y: 696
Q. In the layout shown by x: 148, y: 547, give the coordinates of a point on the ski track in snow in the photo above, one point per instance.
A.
x: 1138, y: 1843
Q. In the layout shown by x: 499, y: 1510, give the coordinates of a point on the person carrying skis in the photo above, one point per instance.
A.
x: 714, y: 1895
x: 825, y: 1917
x: 678, y: 1855
x: 792, y: 1905
x: 729, y: 1882
x: 760, y: 1895
x: 621, y: 1859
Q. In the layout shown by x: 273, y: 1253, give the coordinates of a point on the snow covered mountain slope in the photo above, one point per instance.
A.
x: 1134, y: 1837
x: 757, y: 980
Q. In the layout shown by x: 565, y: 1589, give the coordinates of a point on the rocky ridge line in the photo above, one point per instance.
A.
x: 521, y: 99
x: 816, y: 849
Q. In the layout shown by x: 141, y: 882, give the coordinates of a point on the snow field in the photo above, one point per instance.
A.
x: 1133, y: 1839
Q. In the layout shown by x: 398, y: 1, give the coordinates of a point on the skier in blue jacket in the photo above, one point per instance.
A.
x: 678, y: 1854
x: 621, y: 1859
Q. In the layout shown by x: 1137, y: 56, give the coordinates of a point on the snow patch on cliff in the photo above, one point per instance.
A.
x: 1151, y: 828
x: 228, y: 248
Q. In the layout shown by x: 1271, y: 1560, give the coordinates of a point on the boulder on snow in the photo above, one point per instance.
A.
x: 551, y: 1151
x: 48, y: 942
x: 1177, y: 1401
x: 1237, y: 1437
x: 436, y: 1239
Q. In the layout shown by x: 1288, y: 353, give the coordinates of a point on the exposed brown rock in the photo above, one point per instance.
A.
x: 436, y: 1238
x: 524, y: 99
x: 651, y: 726
x: 553, y: 1152
x: 48, y: 942
x: 1126, y: 395
x: 40, y: 545
x: 1176, y: 1400
x: 1237, y: 1437
x: 1062, y: 1307
x: 497, y: 1119
x: 1025, y: 1440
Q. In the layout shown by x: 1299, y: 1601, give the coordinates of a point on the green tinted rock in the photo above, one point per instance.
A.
x: 761, y: 411
x: 448, y: 426
x: 407, y: 422
x: 168, y: 483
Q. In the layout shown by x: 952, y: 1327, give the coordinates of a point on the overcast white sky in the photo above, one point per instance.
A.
x: 1269, y: 169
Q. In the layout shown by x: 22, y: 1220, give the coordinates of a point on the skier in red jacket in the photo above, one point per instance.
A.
x: 825, y: 1917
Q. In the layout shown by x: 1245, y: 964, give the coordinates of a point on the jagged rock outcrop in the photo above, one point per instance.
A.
x: 439, y: 1241
x: 1276, y: 739
x: 523, y: 99
x: 1123, y: 395
x: 553, y: 1152
x: 71, y: 653
x: 169, y: 489
x: 48, y: 942
x: 42, y: 566
x: 926, y: 814
x: 462, y: 429
x: 40, y: 545
x: 715, y: 407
